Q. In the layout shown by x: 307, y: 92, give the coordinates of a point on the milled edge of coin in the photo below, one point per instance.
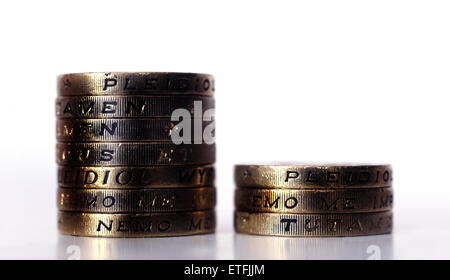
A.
x: 136, y: 225
x: 317, y: 201
x: 142, y: 83
x: 120, y: 130
x: 129, y: 106
x: 304, y: 176
x: 313, y: 225
x: 133, y: 153
x: 132, y: 177
x: 135, y: 201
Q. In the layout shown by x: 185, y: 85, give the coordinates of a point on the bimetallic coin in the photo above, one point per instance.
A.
x: 136, y: 225
x: 143, y: 83
x: 112, y: 130
x: 314, y: 201
x: 304, y: 176
x: 136, y: 201
x: 98, y: 107
x: 137, y: 153
x: 125, y: 177
x: 313, y: 225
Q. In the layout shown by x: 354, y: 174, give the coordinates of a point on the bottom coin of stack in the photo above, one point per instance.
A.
x: 147, y: 206
x: 313, y: 200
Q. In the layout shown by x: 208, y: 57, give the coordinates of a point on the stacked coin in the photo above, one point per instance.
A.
x: 135, y: 154
x: 313, y: 200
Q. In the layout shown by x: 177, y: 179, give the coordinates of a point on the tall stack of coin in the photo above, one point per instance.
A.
x: 135, y: 154
x: 313, y: 200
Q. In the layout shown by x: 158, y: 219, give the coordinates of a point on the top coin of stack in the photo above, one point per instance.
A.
x: 313, y: 200
x: 135, y: 154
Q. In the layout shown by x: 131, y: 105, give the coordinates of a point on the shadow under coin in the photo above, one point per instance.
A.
x: 373, y: 247
x: 178, y: 248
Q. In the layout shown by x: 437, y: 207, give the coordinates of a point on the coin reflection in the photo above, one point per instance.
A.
x: 186, y: 247
x: 355, y: 248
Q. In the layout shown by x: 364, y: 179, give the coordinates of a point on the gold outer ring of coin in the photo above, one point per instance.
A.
x: 313, y: 225
x: 136, y: 201
x: 129, y: 177
x: 143, y: 83
x: 113, y: 130
x: 135, y: 153
x: 116, y: 106
x: 316, y: 176
x: 314, y: 201
x: 136, y: 225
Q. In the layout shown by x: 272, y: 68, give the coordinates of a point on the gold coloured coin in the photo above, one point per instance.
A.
x: 137, y: 153
x: 304, y: 176
x: 137, y: 83
x: 313, y: 225
x: 136, y: 201
x: 113, y: 130
x: 314, y: 201
x: 115, y: 106
x: 136, y: 225
x: 125, y: 177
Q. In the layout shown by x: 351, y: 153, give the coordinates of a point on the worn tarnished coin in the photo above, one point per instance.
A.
x: 124, y: 177
x: 136, y: 153
x: 313, y: 225
x: 314, y: 201
x: 113, y: 130
x: 304, y: 176
x: 114, y: 106
x: 136, y: 201
x: 136, y: 225
x: 143, y: 83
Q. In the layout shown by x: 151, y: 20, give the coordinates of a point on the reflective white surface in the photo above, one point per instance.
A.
x: 28, y: 231
x: 28, y: 228
x: 402, y: 244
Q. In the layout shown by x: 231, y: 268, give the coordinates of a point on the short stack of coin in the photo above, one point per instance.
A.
x: 130, y: 161
x: 313, y: 200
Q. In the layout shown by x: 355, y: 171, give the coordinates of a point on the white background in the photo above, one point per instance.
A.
x: 352, y: 81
